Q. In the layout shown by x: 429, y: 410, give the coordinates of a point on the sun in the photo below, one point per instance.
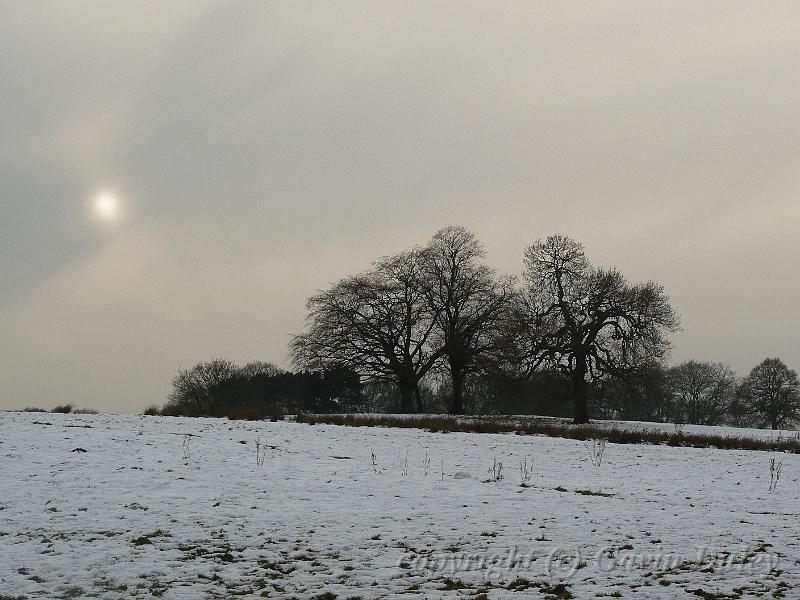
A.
x: 107, y: 206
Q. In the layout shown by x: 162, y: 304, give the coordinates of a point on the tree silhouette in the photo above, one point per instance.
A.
x: 770, y: 392
x: 192, y: 388
x: 702, y: 391
x: 467, y: 302
x: 379, y: 324
x: 590, y: 323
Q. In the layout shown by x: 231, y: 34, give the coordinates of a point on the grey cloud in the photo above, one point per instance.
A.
x: 276, y: 147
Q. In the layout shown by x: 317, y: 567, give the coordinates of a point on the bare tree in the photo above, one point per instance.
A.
x: 771, y: 392
x: 641, y: 395
x: 192, y: 388
x: 378, y: 323
x: 702, y: 391
x: 588, y: 322
x: 260, y: 367
x: 467, y: 302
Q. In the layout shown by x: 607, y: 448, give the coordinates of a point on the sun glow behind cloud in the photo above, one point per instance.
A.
x: 107, y: 207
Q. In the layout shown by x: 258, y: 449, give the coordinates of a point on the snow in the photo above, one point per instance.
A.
x: 179, y: 508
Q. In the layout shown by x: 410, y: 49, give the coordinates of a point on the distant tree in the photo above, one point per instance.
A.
x: 260, y: 367
x: 379, y: 324
x: 739, y: 413
x: 381, y: 396
x: 771, y: 393
x: 341, y: 388
x: 702, y: 391
x: 245, y: 394
x: 290, y: 392
x: 242, y: 397
x: 467, y: 302
x: 661, y: 408
x: 640, y: 395
x: 544, y: 392
x: 192, y: 388
x: 588, y: 322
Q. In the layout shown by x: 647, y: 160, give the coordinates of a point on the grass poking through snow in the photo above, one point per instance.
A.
x: 447, y: 423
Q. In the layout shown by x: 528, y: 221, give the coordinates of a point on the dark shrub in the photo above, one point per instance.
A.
x: 276, y: 414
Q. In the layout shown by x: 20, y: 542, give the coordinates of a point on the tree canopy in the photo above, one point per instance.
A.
x: 589, y: 322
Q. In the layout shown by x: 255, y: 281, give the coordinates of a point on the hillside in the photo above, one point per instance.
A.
x: 113, y: 506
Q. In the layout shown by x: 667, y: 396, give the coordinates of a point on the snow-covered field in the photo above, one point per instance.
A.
x: 180, y: 508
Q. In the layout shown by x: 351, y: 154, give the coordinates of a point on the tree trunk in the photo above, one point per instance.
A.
x: 457, y: 402
x: 579, y: 395
x: 418, y: 398
x: 406, y: 397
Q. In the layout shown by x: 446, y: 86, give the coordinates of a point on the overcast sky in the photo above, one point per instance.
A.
x: 261, y: 150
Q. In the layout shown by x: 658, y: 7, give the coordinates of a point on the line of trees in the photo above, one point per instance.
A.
x: 258, y: 390
x: 434, y: 329
x: 439, y: 309
x: 704, y: 393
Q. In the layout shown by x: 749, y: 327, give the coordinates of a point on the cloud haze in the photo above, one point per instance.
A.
x: 262, y: 150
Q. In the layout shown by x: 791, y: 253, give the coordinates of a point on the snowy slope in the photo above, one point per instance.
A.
x: 179, y: 508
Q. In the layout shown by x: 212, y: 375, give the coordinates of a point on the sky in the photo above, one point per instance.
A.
x: 256, y: 152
